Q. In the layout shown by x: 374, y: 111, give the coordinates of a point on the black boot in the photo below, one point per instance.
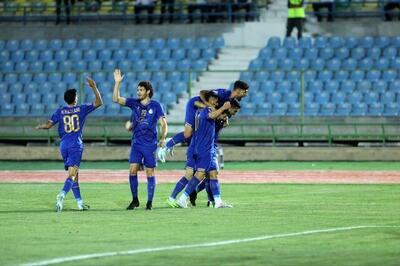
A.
x: 135, y: 203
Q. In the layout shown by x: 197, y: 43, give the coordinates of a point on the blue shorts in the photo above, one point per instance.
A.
x: 190, y: 113
x: 72, y: 156
x: 190, y: 159
x: 145, y: 155
x: 205, y: 162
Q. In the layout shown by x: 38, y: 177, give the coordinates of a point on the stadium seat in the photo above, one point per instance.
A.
x: 375, y: 109
x: 178, y: 54
x: 127, y: 44
x: 158, y: 76
x: 366, y: 42
x: 320, y: 42
x: 268, y: 86
x: 133, y: 54
x: 75, y: 55
x: 7, y: 109
x: 10, y: 78
x: 208, y: 54
x: 318, y: 64
x: 265, y: 53
x: 382, y: 64
x: 295, y: 53
x: 342, y: 53
x: 325, y: 75
x: 279, y: 53
x: 338, y: 97
x: 46, y: 56
x: 163, y: 54
x: 79, y: 65
x: 113, y: 44
x: 354, y: 97
x: 257, y: 97
x: 290, y: 97
x: 157, y: 43
x: 203, y: 43
x: 349, y: 64
x: 310, y: 75
x: 373, y: 75
x: 277, y: 75
x: 260, y: 76
x: 55, y: 44
x: 391, y: 109
x: 34, y: 98
x: 343, y: 109
x: 105, y: 55
x: 311, y: 53
x: 22, y: 109
x: 279, y: 109
x: 40, y: 78
x: 188, y: 43
x: 331, y: 86
x: 357, y: 53
x: 21, y: 66
x: 382, y: 41
x: 380, y: 86
x: 218, y: 43
x: 263, y: 109
x: 289, y: 42
x: 7, y: 67
x: 40, y: 45
x: 17, y: 56
x: 144, y: 75
x: 336, y: 42
x: 311, y: 109
x: 390, y: 52
x: 293, y: 109
x: 173, y: 43
x: 25, y: 78
x: 283, y: 87
x: 5, y: 98
x: 305, y: 43
x: 365, y: 64
x: 4, y: 56
x: 327, y: 109
x: 395, y: 63
x: 84, y: 44
x: 292, y: 75
x: 389, y: 75
x: 286, y: 64
x: 347, y: 86
x: 359, y: 109
x: 12, y: 45
x: 26, y: 45
x: 70, y: 44
x: 274, y: 42
x: 370, y: 97
x: 248, y: 76
x: 322, y: 97
x: 326, y: 53
x: 270, y: 64
x: 65, y: 66
x: 124, y: 65
x: 174, y: 76
x: 16, y: 88
x: 357, y: 75
x: 374, y: 53
x: 60, y: 55
x: 341, y: 75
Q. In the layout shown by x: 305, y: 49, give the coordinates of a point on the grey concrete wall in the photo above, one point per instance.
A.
x: 230, y: 153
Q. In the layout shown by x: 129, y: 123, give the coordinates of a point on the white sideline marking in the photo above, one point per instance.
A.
x: 212, y: 244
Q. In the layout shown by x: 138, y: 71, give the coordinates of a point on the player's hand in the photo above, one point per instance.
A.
x: 117, y: 76
x: 226, y: 105
x: 91, y: 83
x: 161, y: 143
x: 128, y: 125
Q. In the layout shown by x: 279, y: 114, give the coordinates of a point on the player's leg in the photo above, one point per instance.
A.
x: 216, y: 191
x: 191, y: 186
x: 74, y: 158
x: 135, y: 158
x: 68, y: 183
x: 210, y: 202
x: 180, y: 185
x: 149, y: 160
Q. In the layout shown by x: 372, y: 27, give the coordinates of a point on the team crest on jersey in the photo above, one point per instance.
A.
x: 151, y: 111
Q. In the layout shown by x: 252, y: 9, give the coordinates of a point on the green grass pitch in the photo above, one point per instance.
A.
x: 30, y: 230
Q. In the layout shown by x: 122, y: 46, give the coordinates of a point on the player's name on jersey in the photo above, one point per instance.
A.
x: 70, y: 111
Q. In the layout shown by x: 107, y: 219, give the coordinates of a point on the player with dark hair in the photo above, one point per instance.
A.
x: 203, y: 150
x: 71, y: 120
x: 146, y: 113
x: 240, y: 90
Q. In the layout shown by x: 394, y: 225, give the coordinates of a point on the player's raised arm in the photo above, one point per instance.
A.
x: 98, y: 101
x: 164, y: 131
x: 218, y: 112
x: 48, y: 125
x: 118, y: 80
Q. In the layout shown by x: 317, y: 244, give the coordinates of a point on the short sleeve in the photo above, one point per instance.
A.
x: 87, y: 108
x: 160, y: 111
x: 131, y: 103
x: 55, y: 118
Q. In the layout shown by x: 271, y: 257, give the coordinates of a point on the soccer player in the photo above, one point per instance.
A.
x: 204, y: 152
x: 71, y: 120
x: 240, y: 90
x: 190, y: 164
x: 146, y: 113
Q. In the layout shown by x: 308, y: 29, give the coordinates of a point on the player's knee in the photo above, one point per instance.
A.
x: 73, y: 173
x: 213, y: 174
x: 149, y: 172
x: 189, y: 173
x: 133, y: 169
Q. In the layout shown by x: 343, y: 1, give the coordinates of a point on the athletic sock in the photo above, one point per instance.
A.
x: 201, y: 186
x: 208, y: 190
x: 77, y: 191
x: 180, y: 185
x: 178, y: 138
x: 214, y: 185
x: 191, y: 186
x: 67, y: 186
x: 133, y: 182
x: 151, y: 187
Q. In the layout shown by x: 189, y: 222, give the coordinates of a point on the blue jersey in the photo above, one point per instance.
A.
x: 219, y: 125
x: 70, y: 123
x: 203, y: 137
x: 144, y: 119
x: 223, y: 95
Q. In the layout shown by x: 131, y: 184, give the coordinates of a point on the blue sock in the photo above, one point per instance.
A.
x: 151, y: 187
x: 67, y: 185
x: 178, y: 138
x: 191, y: 186
x: 208, y: 189
x: 133, y: 182
x: 214, y: 185
x: 180, y: 185
x: 76, y: 190
x: 201, y: 186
